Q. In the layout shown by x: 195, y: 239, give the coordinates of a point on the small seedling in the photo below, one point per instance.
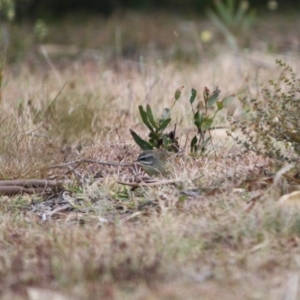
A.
x: 158, y: 138
x: 204, y: 118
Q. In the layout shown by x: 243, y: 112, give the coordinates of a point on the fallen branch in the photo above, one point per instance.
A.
x: 30, y: 183
x: 26, y: 186
x: 14, y: 190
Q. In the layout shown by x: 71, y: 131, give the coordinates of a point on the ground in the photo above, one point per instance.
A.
x: 217, y: 232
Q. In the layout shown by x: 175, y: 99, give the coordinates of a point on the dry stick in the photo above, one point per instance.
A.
x: 160, y: 182
x: 106, y: 163
x: 291, y: 178
x: 117, y: 165
x: 30, y: 183
x: 76, y: 175
x: 27, y: 186
x: 93, y: 161
x: 13, y: 190
x: 58, y: 209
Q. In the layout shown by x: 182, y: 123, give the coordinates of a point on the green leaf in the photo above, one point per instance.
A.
x: 144, y: 145
x: 220, y: 105
x: 178, y: 93
x: 214, y: 97
x: 227, y: 100
x: 163, y: 124
x: 154, y: 135
x: 231, y: 39
x: 193, y: 95
x: 194, y: 144
x: 151, y: 142
x: 166, y: 142
x: 225, y: 11
x: 240, y: 16
x: 206, y: 124
x: 150, y: 116
x: 144, y: 117
x: 198, y: 118
x: 204, y: 144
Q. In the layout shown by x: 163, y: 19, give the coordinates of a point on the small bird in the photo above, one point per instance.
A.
x: 153, y: 162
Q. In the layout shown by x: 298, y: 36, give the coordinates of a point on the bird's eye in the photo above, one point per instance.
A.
x: 146, y: 159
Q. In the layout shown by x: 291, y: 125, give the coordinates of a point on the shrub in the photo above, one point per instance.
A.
x: 271, y: 125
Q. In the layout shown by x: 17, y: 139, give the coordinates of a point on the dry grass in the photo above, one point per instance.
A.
x: 153, y: 242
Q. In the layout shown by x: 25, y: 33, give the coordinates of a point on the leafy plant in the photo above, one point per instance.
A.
x: 272, y: 123
x: 157, y: 137
x: 203, y: 117
x: 232, y: 17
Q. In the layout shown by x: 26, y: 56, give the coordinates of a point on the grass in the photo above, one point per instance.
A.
x: 153, y: 242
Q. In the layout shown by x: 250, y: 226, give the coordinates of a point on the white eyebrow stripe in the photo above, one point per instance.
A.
x: 147, y: 162
x: 146, y: 155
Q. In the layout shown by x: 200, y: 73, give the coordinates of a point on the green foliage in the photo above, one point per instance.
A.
x: 7, y: 9
x: 232, y: 17
x: 203, y: 117
x: 40, y: 29
x: 157, y: 137
x: 271, y: 126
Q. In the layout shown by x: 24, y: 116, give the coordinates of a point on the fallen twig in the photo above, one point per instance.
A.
x: 291, y: 178
x: 58, y: 209
x: 14, y: 190
x: 93, y: 161
x: 143, y: 184
x: 30, y: 183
